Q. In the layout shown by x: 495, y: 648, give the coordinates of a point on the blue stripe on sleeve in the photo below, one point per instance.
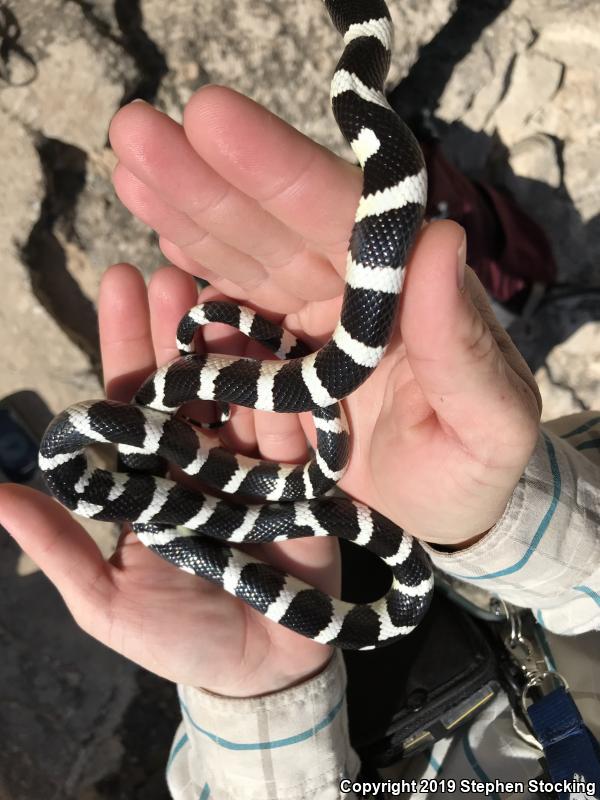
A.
x: 475, y: 765
x: 176, y: 748
x: 542, y: 528
x: 434, y: 764
x: 589, y: 445
x: 269, y: 745
x: 205, y: 793
x: 582, y: 428
x: 590, y: 593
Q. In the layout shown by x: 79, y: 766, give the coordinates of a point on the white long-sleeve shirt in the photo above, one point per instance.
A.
x: 543, y: 554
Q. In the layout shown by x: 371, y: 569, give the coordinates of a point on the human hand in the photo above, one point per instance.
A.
x: 175, y: 624
x: 442, y: 430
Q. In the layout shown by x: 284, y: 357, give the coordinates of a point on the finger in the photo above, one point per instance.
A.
x: 197, y: 244
x: 171, y: 294
x: 125, y: 336
x: 152, y: 210
x: 238, y: 436
x: 453, y: 354
x: 177, y: 257
x: 63, y: 551
x: 154, y: 148
x: 304, y: 185
x: 266, y: 297
x: 279, y: 437
x: 304, y: 275
x: 195, y: 240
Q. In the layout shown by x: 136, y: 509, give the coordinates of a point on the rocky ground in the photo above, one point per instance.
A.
x: 511, y: 87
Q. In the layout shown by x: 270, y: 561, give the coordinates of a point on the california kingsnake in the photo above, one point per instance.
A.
x: 171, y: 519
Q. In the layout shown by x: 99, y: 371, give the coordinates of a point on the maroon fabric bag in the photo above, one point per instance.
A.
x: 508, y: 250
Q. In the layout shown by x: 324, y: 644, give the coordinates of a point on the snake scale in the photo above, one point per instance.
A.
x: 191, y: 529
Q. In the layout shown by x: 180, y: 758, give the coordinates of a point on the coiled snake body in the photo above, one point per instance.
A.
x: 189, y: 528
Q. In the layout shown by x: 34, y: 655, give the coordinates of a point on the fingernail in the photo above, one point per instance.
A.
x: 461, y: 258
x: 138, y: 100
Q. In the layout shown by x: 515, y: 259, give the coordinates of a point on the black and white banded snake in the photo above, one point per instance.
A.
x: 189, y: 528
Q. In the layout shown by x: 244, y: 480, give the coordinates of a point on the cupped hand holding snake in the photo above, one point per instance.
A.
x: 441, y: 431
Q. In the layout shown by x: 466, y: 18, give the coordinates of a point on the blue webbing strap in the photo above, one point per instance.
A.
x: 572, y: 753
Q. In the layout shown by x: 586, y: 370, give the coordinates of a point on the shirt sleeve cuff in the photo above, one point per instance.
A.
x: 291, y: 744
x: 546, y: 546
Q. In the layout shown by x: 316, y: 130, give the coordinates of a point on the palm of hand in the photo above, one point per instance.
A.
x: 192, y: 632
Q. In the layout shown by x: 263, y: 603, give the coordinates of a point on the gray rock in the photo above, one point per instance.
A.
x: 569, y: 381
x: 536, y: 159
x: 534, y: 81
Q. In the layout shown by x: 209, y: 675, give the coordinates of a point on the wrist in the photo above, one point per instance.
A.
x: 267, y: 680
x: 464, y: 530
x: 453, y: 547
x: 288, y: 678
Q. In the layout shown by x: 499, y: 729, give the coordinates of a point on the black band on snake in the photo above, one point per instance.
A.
x: 190, y: 528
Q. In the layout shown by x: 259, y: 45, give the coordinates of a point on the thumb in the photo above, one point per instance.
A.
x: 459, y: 354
